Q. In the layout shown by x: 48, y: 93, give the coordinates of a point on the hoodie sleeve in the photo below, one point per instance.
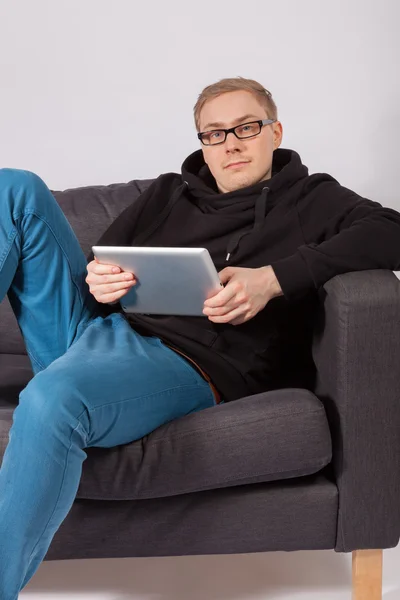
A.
x: 342, y: 232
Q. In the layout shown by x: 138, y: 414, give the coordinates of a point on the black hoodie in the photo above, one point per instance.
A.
x: 307, y: 227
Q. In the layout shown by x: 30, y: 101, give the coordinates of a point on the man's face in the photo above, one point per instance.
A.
x: 238, y: 163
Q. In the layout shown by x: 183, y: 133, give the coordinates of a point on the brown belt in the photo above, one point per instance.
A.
x: 217, y: 396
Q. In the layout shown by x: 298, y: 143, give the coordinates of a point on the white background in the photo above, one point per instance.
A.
x: 100, y: 91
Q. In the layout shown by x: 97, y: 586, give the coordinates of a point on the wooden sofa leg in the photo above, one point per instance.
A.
x: 367, y: 574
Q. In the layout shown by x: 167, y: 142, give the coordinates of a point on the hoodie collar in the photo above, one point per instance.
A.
x: 287, y: 168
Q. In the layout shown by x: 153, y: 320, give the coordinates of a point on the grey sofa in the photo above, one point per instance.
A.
x: 289, y: 469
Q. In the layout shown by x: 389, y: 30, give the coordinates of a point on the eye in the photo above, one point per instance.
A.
x: 247, y: 129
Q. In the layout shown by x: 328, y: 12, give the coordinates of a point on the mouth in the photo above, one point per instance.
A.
x: 237, y: 165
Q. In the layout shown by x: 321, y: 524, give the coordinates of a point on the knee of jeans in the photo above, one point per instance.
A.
x: 19, y: 178
x: 53, y: 402
x: 21, y: 182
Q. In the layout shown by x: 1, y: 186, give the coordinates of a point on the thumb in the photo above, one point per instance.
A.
x: 226, y: 274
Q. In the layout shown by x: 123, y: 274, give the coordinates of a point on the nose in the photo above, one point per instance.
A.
x: 232, y: 143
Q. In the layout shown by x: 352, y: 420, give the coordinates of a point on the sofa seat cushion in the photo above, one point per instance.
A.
x: 275, y: 435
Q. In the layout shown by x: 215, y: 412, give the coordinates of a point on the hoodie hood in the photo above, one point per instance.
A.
x: 287, y: 168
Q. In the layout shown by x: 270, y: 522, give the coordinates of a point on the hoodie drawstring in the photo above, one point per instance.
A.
x: 259, y: 216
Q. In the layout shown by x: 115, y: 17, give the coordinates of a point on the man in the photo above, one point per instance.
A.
x: 103, y: 378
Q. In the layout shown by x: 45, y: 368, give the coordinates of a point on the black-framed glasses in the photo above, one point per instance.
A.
x: 242, y: 132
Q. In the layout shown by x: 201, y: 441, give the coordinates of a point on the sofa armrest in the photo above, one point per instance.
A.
x: 356, y: 349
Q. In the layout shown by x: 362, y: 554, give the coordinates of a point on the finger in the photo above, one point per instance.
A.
x: 101, y: 290
x: 95, y: 267
x: 226, y: 274
x: 231, y: 316
x: 222, y: 298
x: 235, y: 302
x: 92, y: 265
x: 221, y: 310
x: 106, y: 298
x: 241, y: 319
x: 93, y: 279
x: 102, y: 268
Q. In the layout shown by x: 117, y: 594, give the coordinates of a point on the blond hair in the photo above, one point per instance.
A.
x: 235, y: 84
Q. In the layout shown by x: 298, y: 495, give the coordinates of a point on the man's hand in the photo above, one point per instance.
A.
x: 108, y: 283
x: 246, y: 293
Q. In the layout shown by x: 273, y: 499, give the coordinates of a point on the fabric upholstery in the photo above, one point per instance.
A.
x: 288, y: 515
x: 276, y: 435
x: 357, y: 354
x: 285, y: 470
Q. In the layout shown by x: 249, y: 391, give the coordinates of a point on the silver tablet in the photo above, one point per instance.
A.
x: 170, y: 281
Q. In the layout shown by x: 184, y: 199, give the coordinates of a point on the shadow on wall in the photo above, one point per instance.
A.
x: 226, y: 577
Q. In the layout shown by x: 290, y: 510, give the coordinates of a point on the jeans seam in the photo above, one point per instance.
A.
x: 11, y: 237
x: 43, y: 219
x: 10, y: 240
x: 61, y: 487
x: 34, y: 359
x: 147, y: 396
x: 31, y: 212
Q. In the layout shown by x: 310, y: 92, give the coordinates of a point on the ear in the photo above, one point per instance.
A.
x: 278, y: 134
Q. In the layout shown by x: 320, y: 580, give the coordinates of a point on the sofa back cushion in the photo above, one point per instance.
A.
x: 90, y: 211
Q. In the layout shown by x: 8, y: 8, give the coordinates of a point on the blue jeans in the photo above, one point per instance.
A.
x: 97, y: 382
